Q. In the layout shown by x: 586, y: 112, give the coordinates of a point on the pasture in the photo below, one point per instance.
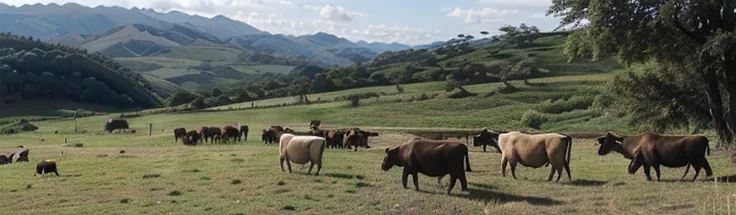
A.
x: 157, y: 176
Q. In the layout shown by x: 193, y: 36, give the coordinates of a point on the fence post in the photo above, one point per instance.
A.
x: 150, y: 128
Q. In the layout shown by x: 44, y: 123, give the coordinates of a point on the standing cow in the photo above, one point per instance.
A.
x: 300, y: 150
x: 243, y: 133
x: 434, y: 158
x: 652, y: 150
x: 191, y: 138
x: 229, y: 133
x: 179, y: 133
x: 535, y: 150
x: 487, y: 138
x: 357, y: 138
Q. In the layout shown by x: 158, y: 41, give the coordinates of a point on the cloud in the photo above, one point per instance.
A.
x: 337, y: 13
x: 481, y: 15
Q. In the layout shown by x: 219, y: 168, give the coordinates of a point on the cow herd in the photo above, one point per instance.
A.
x: 212, y: 135
x: 438, y: 158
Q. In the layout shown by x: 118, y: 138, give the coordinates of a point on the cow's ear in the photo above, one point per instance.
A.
x: 387, y: 150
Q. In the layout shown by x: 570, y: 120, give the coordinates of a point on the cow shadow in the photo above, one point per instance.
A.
x: 484, y: 192
x: 587, y: 183
x: 70, y: 176
x: 344, y: 176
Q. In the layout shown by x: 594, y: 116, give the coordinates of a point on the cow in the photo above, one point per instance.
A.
x: 535, y: 150
x: 46, y: 166
x: 243, y: 133
x: 434, y: 158
x: 319, y: 133
x: 216, y: 134
x: 314, y: 124
x: 271, y: 134
x: 487, y: 137
x: 229, y: 133
x: 652, y: 150
x: 357, y: 138
x: 191, y: 138
x: 204, y: 132
x: 22, y: 155
x: 335, y: 138
x: 114, y: 124
x: 179, y: 133
x: 300, y: 150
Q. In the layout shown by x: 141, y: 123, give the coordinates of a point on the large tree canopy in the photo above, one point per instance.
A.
x: 682, y: 36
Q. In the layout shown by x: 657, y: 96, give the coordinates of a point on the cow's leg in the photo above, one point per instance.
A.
x: 647, y: 169
x: 439, y: 180
x: 453, y: 179
x: 513, y: 168
x: 404, y: 175
x: 311, y: 165
x: 706, y: 166
x: 288, y: 164
x: 484, y: 145
x: 319, y: 168
x: 281, y: 160
x: 687, y: 169
x: 551, y: 173
x: 415, y: 178
x: 656, y: 170
x: 503, y: 166
x: 463, y: 181
x: 697, y: 171
x: 559, y: 173
x: 56, y: 172
x: 567, y: 169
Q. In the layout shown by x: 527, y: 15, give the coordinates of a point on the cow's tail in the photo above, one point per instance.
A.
x: 467, y: 160
x: 707, y: 147
x: 569, y: 149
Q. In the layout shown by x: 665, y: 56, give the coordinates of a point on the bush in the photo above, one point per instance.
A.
x: 359, y: 96
x: 355, y: 101
x: 602, y: 102
x: 198, y: 104
x: 459, y: 92
x: 533, y: 119
x: 180, y: 98
x: 560, y: 106
x: 399, y: 89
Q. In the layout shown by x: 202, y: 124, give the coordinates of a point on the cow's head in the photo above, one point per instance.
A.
x: 636, y: 162
x: 608, y: 142
x: 487, y: 137
x: 391, y: 159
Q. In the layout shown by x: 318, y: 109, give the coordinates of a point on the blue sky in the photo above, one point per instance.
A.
x: 405, y: 21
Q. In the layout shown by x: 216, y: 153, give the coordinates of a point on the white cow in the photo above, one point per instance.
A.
x: 300, y: 150
x: 535, y: 150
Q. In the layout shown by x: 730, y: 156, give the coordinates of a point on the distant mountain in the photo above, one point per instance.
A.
x: 53, y: 20
x: 383, y: 47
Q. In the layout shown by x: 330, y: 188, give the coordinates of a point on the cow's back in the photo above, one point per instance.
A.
x: 302, y: 149
x: 532, y: 150
x: 676, y: 149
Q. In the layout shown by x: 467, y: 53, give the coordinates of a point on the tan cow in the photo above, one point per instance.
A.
x: 300, y: 150
x: 535, y: 150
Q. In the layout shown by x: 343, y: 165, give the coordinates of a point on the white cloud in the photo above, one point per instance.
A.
x: 335, y: 13
x: 480, y: 15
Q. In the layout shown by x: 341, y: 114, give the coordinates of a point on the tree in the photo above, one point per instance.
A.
x: 521, y: 36
x: 524, y: 69
x: 198, y: 103
x: 682, y: 37
x: 301, y: 86
x: 216, y: 92
x: 180, y: 98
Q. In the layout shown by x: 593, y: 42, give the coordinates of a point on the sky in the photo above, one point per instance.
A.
x: 410, y: 22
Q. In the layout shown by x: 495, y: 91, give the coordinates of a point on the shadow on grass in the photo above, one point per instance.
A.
x: 343, y: 176
x: 587, y: 183
x: 484, y: 193
x: 70, y: 176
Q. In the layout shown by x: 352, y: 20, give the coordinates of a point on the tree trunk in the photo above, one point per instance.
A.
x: 715, y: 101
x: 305, y: 98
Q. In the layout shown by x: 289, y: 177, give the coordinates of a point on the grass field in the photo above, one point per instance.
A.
x: 157, y: 176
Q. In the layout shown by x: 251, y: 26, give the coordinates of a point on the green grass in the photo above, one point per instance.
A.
x: 203, y: 179
x: 172, y: 72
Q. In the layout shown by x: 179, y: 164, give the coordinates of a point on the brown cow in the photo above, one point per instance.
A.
x: 652, y: 150
x: 357, y: 138
x: 272, y: 134
x: 191, y: 138
x: 179, y: 133
x: 229, y: 133
x: 314, y: 124
x: 46, y: 166
x: 204, y: 132
x: 243, y: 133
x: 335, y: 139
x: 487, y: 137
x: 434, y: 158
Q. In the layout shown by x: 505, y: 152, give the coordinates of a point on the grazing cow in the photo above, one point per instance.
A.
x: 243, y: 133
x: 46, y: 166
x: 335, y: 138
x: 535, y: 150
x: 22, y: 155
x: 229, y: 133
x: 300, y: 150
x: 652, y: 150
x: 4, y: 159
x: 179, y: 133
x: 216, y: 134
x: 271, y: 135
x: 434, y: 158
x: 114, y: 124
x: 357, y: 138
x: 487, y: 137
x: 204, y: 132
x: 191, y: 138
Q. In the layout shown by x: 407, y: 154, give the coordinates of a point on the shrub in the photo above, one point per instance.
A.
x: 365, y: 95
x: 560, y: 106
x: 533, y: 119
x: 355, y: 101
x: 459, y: 92
x: 198, y: 104
x: 399, y: 89
x: 601, y: 102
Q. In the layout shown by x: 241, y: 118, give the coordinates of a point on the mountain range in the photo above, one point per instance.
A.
x: 120, y: 32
